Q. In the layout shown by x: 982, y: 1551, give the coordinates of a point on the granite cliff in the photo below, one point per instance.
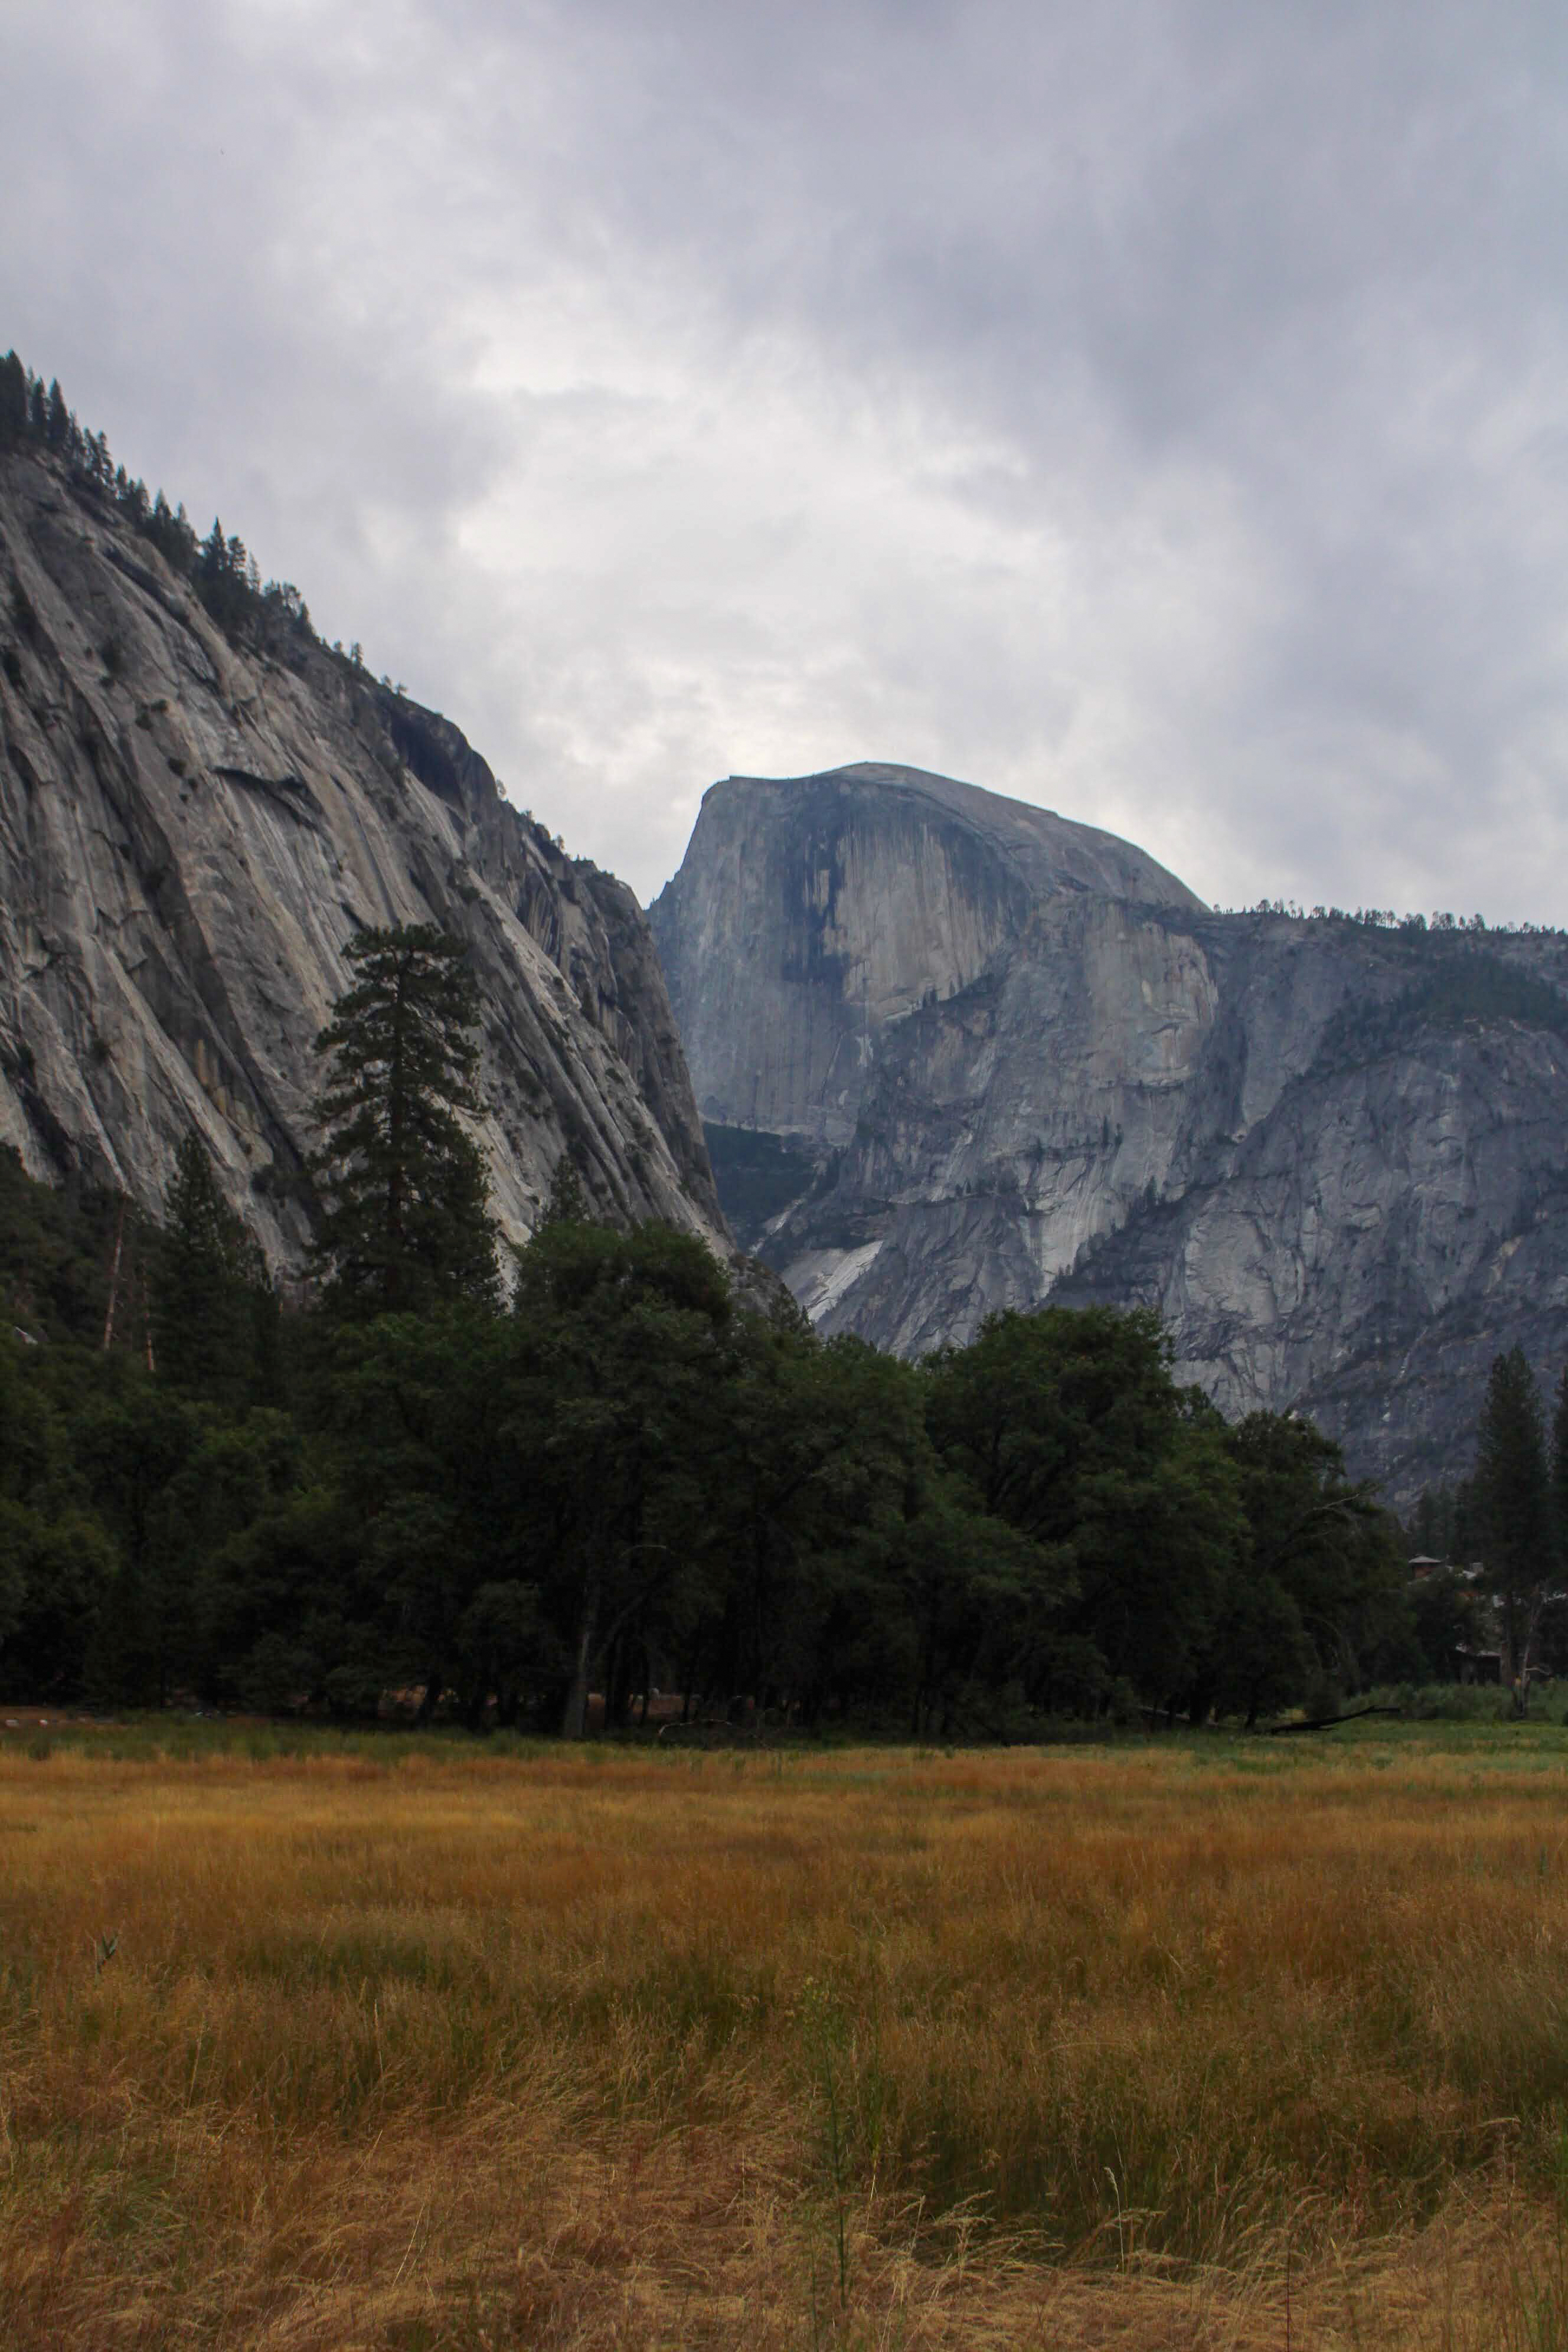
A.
x: 811, y: 914
x: 958, y: 1054
x: 191, y: 830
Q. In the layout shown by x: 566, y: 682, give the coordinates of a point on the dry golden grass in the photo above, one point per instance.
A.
x: 1210, y: 2047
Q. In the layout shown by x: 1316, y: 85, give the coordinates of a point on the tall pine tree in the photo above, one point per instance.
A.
x: 402, y: 1183
x: 1512, y: 1502
x: 567, y: 1201
x: 13, y: 401
x: 210, y: 1291
x: 1560, y: 1469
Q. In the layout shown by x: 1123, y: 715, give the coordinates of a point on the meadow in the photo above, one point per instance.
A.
x: 426, y: 2046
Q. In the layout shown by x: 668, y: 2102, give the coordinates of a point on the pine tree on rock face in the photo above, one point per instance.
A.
x: 13, y: 401
x: 1512, y: 1499
x: 209, y: 1285
x: 567, y: 1201
x: 402, y: 1185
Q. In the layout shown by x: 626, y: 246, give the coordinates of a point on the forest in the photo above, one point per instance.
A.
x: 419, y: 1486
x: 444, y: 1478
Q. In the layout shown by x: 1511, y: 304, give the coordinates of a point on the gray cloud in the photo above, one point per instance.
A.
x: 1155, y: 410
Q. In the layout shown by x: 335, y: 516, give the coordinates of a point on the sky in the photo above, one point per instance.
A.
x: 1153, y: 409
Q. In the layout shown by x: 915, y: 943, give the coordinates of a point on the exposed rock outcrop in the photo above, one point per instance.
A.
x: 191, y: 833
x: 810, y: 913
x: 1330, y: 1153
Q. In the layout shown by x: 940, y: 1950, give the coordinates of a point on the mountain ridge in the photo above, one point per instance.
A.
x: 1328, y: 1150
x: 194, y: 823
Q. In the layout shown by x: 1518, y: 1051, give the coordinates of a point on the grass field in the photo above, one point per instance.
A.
x: 409, y: 2044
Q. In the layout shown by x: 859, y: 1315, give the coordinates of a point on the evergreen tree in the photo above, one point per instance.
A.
x: 1559, y: 1467
x: 171, y: 534
x: 402, y: 1185
x: 566, y: 1203
x: 13, y: 401
x: 1512, y: 1502
x: 220, y: 580
x: 1445, y: 1618
x: 208, y: 1273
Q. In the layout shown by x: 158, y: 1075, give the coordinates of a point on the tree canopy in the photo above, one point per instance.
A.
x: 629, y: 1481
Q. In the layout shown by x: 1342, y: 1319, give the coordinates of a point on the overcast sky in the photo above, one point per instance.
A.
x: 1155, y: 409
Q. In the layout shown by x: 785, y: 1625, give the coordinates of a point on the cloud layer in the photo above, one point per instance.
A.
x: 1156, y: 410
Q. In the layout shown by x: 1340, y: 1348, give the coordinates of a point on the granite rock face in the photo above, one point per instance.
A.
x: 1332, y: 1154
x: 810, y: 914
x: 190, y: 834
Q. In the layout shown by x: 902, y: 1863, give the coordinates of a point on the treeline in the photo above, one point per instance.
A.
x: 619, y: 1471
x: 1409, y: 926
x: 628, y: 1479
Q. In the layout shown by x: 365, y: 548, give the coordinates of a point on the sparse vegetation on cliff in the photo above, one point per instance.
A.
x: 1454, y: 982
x: 221, y: 569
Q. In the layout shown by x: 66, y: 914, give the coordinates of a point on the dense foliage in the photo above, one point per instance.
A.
x: 624, y: 1477
x: 629, y: 1479
x: 1493, y: 1599
x: 758, y: 1175
x: 1456, y: 981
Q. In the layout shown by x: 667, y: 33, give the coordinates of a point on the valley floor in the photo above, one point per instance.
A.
x: 314, y: 2042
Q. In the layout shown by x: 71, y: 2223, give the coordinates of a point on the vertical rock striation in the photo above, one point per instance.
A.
x: 190, y: 833
x: 810, y: 914
x: 1024, y: 1063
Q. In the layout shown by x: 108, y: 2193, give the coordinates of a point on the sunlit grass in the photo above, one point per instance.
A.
x: 391, y: 2042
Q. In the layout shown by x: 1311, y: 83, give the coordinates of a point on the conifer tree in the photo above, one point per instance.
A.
x: 56, y: 429
x: 1512, y: 1502
x: 1560, y: 1468
x: 566, y: 1203
x: 402, y: 1185
x: 13, y: 401
x: 209, y: 1279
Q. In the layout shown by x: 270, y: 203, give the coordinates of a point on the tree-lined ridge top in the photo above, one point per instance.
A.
x: 227, y: 804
